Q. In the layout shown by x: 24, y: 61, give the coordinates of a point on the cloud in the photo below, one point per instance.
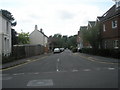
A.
x: 55, y: 16
x: 66, y: 15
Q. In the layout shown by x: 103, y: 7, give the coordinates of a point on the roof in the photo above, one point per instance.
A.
x: 83, y: 27
x: 91, y: 23
x: 36, y: 29
x: 111, y: 13
x: 99, y: 18
x: 5, y: 16
x: 43, y: 33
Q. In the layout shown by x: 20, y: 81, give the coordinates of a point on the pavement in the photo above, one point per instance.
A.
x: 93, y: 57
x: 100, y: 58
x: 21, y: 61
x: 63, y: 70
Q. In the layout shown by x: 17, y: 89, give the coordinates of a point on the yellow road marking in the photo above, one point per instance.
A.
x: 96, y: 60
x: 22, y: 64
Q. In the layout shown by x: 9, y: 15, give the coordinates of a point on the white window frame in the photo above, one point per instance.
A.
x: 116, y: 44
x: 114, y: 24
x: 117, y: 4
x: 104, y: 27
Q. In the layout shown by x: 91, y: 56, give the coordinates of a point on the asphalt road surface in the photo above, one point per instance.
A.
x: 63, y: 70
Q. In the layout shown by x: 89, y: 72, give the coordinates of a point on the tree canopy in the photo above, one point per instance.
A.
x: 92, y: 36
x: 23, y: 38
x: 64, y: 41
x: 9, y: 16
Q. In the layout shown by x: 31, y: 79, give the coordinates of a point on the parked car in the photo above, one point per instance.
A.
x: 56, y: 50
x: 62, y: 49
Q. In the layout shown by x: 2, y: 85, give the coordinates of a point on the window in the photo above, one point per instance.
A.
x: 114, y: 24
x: 105, y: 44
x: 115, y: 44
x: 104, y: 28
x: 117, y: 4
x: 7, y: 27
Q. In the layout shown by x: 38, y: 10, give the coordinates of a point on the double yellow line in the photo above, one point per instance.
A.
x: 15, y: 66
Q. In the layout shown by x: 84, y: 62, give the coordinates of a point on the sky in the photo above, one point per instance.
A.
x: 55, y: 16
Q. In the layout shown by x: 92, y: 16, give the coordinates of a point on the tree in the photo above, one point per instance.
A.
x: 9, y: 16
x: 23, y: 38
x: 72, y: 41
x: 92, y: 36
x: 14, y: 37
x: 63, y: 41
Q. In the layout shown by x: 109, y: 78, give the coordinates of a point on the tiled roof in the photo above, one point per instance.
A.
x: 111, y: 13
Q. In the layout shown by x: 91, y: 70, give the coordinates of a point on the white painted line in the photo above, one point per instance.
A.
x: 57, y: 67
x: 75, y: 70
x: 87, y: 70
x: 58, y: 60
x: 36, y: 73
x: 18, y: 74
x: 111, y: 68
x: 43, y: 82
x: 5, y: 78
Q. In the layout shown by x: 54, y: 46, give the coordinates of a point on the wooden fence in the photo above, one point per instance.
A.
x: 21, y: 51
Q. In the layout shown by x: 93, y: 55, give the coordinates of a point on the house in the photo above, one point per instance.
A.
x: 5, y: 35
x: 91, y: 24
x: 110, y: 32
x: 80, y: 43
x: 37, y: 37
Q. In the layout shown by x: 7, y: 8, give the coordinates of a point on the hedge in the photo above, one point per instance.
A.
x: 103, y: 52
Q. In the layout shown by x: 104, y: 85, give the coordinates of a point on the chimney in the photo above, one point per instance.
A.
x: 36, y: 28
x: 41, y: 30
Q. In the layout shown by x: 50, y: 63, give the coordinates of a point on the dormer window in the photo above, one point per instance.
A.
x: 117, y: 4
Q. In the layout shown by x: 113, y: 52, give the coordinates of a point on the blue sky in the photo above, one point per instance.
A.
x: 55, y: 16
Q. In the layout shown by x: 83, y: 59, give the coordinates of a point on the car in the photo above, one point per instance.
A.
x: 62, y: 49
x: 56, y: 50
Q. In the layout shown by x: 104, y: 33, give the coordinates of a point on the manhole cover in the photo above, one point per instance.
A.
x: 40, y: 83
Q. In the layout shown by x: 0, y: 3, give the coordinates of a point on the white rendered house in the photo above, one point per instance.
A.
x: 38, y: 38
x: 5, y: 35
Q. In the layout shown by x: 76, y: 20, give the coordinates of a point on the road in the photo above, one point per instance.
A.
x: 63, y: 70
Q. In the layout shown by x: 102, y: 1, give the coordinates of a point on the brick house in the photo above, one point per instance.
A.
x: 80, y: 42
x: 110, y: 31
x: 91, y: 24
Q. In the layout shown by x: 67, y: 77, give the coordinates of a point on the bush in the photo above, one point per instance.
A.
x: 103, y: 52
x: 74, y: 50
x: 6, y: 59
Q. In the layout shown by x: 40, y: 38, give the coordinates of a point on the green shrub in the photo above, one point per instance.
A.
x: 103, y: 52
x: 74, y: 50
